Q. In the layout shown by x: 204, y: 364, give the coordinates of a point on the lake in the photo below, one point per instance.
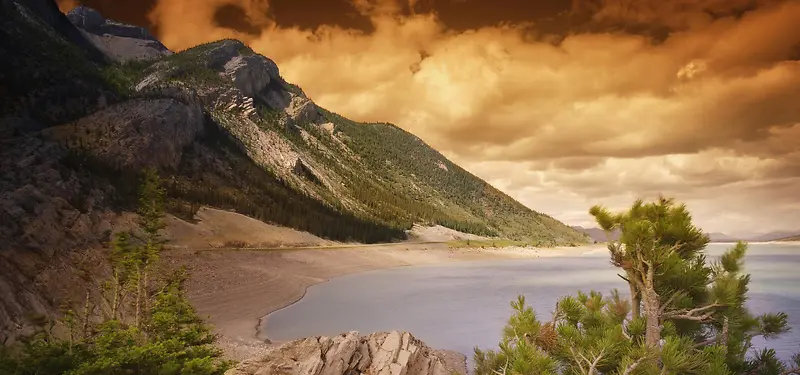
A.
x: 461, y: 305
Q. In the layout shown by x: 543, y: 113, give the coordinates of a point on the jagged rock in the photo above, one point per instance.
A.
x: 137, y: 134
x: 123, y: 49
x: 92, y: 21
x: 302, y: 109
x: 297, y: 108
x: 384, y: 353
x: 250, y: 74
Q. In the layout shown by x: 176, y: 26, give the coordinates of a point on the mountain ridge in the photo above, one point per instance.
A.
x: 233, y: 134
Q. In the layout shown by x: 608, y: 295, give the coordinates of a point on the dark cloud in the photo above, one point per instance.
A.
x: 234, y: 17
x: 311, y: 14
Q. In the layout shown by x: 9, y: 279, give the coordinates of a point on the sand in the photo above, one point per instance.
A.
x: 215, y: 228
x: 234, y: 289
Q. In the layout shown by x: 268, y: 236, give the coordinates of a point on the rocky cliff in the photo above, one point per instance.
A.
x: 385, y: 353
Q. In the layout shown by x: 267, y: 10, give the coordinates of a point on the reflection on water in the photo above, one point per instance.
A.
x: 459, y: 306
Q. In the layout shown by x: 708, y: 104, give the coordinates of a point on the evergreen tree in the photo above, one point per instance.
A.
x: 164, y: 335
x: 686, y: 315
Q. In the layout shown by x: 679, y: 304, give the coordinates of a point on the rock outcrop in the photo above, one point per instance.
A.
x: 250, y: 74
x: 384, y: 353
x: 137, y: 133
x: 118, y: 41
x: 92, y: 21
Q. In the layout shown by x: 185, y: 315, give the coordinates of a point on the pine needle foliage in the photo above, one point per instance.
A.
x: 687, y: 315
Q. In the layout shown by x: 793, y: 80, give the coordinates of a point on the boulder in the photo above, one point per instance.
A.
x: 383, y: 353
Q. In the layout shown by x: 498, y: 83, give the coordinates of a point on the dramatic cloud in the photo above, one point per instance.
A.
x: 623, y: 99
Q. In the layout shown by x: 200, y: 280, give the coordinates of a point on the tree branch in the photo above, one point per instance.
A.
x: 701, y: 318
x: 505, y: 369
x: 626, y: 335
x: 593, y: 368
x: 577, y: 360
x: 690, y: 314
x: 632, y: 367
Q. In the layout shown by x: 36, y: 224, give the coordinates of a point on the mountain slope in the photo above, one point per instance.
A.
x: 721, y: 237
x: 226, y: 130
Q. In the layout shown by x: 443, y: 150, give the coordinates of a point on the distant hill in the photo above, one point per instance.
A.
x: 773, y: 236
x: 721, y: 237
x: 597, y: 234
x: 792, y: 238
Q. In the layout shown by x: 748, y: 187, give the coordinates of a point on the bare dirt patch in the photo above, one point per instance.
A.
x: 217, y: 228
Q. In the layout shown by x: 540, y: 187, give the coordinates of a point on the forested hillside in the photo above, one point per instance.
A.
x: 226, y: 130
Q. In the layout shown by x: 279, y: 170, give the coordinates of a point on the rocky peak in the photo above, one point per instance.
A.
x: 383, y: 353
x: 118, y: 41
x: 93, y: 22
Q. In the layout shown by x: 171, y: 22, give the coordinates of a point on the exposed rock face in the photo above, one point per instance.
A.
x: 138, y: 133
x: 392, y: 353
x: 303, y: 170
x: 250, y: 74
x: 118, y: 41
x: 123, y: 49
x: 92, y: 21
x: 297, y: 107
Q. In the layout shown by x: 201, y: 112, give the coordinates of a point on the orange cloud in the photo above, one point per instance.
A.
x: 596, y: 118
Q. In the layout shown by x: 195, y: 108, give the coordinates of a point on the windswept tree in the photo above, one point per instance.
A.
x: 686, y: 315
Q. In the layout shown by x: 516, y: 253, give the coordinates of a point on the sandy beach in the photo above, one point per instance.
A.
x: 234, y: 289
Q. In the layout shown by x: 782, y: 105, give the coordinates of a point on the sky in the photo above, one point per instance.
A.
x: 561, y: 104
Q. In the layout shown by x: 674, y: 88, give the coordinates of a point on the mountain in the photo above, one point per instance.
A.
x: 223, y: 128
x: 774, y: 236
x: 721, y: 237
x: 792, y: 238
x: 597, y: 234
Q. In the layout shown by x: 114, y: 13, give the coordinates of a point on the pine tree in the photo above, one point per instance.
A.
x: 687, y: 315
x: 166, y: 335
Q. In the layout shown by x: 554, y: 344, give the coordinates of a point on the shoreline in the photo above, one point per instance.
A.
x: 237, y: 289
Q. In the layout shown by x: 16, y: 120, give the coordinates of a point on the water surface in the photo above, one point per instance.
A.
x: 458, y: 306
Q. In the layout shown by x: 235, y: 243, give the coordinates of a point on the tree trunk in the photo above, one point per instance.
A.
x: 653, y: 330
x: 146, y: 295
x: 138, y: 295
x: 636, y: 301
x: 86, y: 316
x: 115, y: 302
x: 652, y: 307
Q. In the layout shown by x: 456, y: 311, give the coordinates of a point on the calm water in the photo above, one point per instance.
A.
x: 458, y: 306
